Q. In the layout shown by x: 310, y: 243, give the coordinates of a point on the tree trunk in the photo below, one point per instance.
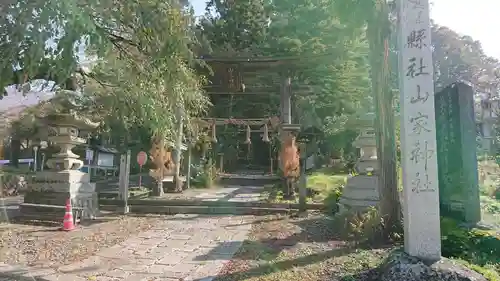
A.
x: 378, y: 38
x: 15, y: 152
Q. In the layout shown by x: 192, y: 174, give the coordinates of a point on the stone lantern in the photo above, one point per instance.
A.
x: 361, y: 190
x: 63, y: 180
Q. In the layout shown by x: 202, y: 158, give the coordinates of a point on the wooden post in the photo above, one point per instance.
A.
x: 285, y: 101
x: 178, y: 151
x: 157, y: 154
x: 221, y: 162
x: 270, y: 158
x: 123, y: 182
x: 285, y: 114
x: 188, y: 174
x: 303, y: 183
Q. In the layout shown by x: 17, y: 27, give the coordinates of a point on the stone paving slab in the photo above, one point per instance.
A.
x: 246, y: 194
x: 187, y: 246
x: 183, y: 247
x: 217, y: 195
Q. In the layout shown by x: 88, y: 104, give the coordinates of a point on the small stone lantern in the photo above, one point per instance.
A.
x: 361, y: 190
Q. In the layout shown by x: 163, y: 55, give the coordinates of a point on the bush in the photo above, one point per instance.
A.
x: 477, y: 247
x: 205, y: 175
x: 364, y: 227
x: 490, y: 205
x: 326, y: 188
x: 490, y: 190
x: 321, y: 188
x: 488, y: 271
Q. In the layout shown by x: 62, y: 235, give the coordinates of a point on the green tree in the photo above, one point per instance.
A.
x: 334, y: 60
x: 459, y: 57
x: 142, y: 49
x: 235, y: 25
x: 339, y: 72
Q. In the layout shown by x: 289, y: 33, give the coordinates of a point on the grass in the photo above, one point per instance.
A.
x: 306, y: 248
x: 490, y: 209
x: 292, y: 249
x: 488, y: 271
x: 476, y: 248
x: 490, y: 205
x: 323, y: 187
x: 312, y: 248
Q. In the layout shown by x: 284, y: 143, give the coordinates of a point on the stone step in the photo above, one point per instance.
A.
x: 209, y: 204
x: 172, y: 210
x: 133, y: 194
x: 42, y: 212
x: 244, y: 181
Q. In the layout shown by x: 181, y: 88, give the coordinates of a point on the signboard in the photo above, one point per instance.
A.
x: 142, y: 158
x: 89, y: 154
x: 21, y: 161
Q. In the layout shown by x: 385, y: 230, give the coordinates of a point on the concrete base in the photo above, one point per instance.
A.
x: 125, y: 210
x: 360, y: 192
x: 362, y: 166
x: 54, y: 188
x: 170, y: 185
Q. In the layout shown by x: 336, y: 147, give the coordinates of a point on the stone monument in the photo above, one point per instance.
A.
x: 422, y: 232
x: 361, y: 190
x: 63, y: 180
x: 456, y: 153
x: 422, y: 257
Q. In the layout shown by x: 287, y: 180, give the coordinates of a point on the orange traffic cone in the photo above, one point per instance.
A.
x: 68, y: 224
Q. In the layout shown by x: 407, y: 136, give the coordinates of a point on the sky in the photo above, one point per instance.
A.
x: 479, y: 20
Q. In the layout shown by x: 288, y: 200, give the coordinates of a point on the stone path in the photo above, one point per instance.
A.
x: 233, y: 194
x: 183, y: 247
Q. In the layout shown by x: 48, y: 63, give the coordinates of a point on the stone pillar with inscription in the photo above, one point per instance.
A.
x: 457, y: 156
x: 418, y: 132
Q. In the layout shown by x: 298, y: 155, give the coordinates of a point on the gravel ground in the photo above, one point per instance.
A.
x: 46, y: 246
x: 306, y: 249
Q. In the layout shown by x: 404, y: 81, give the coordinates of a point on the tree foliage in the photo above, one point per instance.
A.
x: 326, y: 54
x: 143, y: 49
x: 235, y: 25
x: 461, y: 58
